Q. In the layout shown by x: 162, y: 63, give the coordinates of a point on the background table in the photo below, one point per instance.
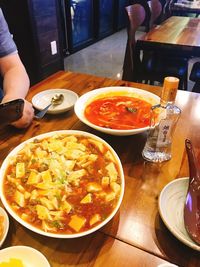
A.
x: 176, y: 35
x: 136, y: 236
x: 185, y: 8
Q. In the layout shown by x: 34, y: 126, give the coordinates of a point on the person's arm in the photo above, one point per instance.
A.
x: 16, y: 85
x: 15, y: 79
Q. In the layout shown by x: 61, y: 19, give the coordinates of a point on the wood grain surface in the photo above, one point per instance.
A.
x: 136, y: 236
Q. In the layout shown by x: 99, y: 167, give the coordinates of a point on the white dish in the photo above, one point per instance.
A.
x: 37, y: 230
x: 171, y: 205
x: 87, y: 98
x: 29, y: 256
x: 5, y: 225
x: 43, y: 99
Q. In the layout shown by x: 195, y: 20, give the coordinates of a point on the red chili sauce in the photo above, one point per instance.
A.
x: 119, y: 112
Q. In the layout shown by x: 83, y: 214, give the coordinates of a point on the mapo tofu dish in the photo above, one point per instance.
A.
x: 63, y: 184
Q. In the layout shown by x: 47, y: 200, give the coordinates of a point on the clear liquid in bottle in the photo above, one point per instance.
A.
x: 162, y: 124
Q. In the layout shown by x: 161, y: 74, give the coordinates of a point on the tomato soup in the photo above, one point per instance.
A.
x: 119, y: 112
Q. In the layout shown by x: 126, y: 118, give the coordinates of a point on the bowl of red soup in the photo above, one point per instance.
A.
x: 62, y: 184
x: 116, y: 110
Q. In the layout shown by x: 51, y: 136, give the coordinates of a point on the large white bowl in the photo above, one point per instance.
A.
x: 87, y: 98
x: 31, y: 227
x: 29, y: 256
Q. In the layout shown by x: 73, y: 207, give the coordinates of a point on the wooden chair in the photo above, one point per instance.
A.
x: 160, y: 11
x: 138, y: 15
x: 149, y: 66
x: 174, y: 65
x: 156, y: 12
x: 195, y: 77
x: 145, y: 5
x: 167, y: 11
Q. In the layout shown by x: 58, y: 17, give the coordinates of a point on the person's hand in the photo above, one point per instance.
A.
x: 27, y: 117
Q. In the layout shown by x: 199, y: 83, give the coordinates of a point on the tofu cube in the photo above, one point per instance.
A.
x: 115, y: 187
x: 110, y: 196
x: 19, y: 198
x: 112, y: 172
x: 43, y: 213
x: 66, y: 206
x: 93, y: 187
x: 33, y: 178
x: 46, y: 176
x: 94, y: 219
x: 105, y: 181
x: 87, y: 199
x: 77, y: 222
x: 98, y: 145
x: 20, y: 169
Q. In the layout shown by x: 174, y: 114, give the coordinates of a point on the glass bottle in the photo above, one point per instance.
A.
x: 164, y: 117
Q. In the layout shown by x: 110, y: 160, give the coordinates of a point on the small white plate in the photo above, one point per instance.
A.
x: 43, y: 99
x: 30, y: 257
x: 5, y: 225
x: 171, y: 205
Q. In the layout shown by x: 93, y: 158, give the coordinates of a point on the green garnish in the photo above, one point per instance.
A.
x: 57, y: 224
x: 132, y: 110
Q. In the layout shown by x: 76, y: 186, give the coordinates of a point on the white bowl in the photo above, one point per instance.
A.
x: 37, y: 230
x: 87, y: 98
x: 5, y: 225
x: 171, y: 206
x: 30, y: 257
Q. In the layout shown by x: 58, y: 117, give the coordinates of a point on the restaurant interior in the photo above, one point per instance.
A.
x: 107, y: 174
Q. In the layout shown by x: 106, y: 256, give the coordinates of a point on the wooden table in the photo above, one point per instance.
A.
x: 177, y: 35
x: 136, y: 236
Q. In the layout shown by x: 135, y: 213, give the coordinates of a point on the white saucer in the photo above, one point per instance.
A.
x: 5, y: 225
x: 30, y: 257
x: 43, y: 99
x: 171, y: 205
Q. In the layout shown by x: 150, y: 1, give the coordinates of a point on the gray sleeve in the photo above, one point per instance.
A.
x: 7, y: 44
